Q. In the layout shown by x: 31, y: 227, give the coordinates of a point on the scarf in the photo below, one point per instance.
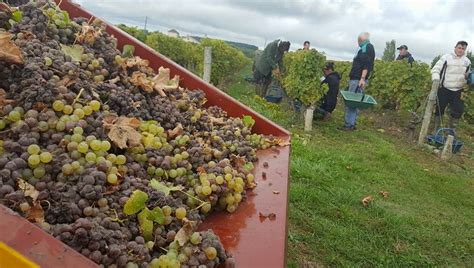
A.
x: 363, y: 46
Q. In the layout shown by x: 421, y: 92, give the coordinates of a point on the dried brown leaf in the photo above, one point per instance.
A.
x: 200, y: 170
x: 3, y: 98
x: 135, y: 62
x: 183, y: 235
x: 66, y: 81
x: 35, y: 213
x: 140, y: 79
x: 88, y: 34
x: 163, y: 82
x: 270, y: 216
x: 217, y: 121
x: 122, y: 130
x: 28, y: 189
x: 178, y: 130
x: 276, y: 192
x: 280, y: 142
x: 9, y: 52
x: 384, y: 194
x: 366, y: 200
x: 238, y: 161
x: 114, y: 81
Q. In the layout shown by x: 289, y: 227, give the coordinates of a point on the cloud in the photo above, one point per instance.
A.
x: 428, y: 28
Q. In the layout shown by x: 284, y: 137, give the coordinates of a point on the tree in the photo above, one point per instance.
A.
x: 389, y: 52
x: 435, y: 60
x: 471, y: 58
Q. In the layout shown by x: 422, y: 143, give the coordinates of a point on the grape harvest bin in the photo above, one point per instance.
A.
x: 254, y: 241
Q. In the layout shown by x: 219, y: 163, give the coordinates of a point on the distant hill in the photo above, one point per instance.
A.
x: 247, y: 49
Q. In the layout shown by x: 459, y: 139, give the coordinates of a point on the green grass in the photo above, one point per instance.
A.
x: 427, y: 219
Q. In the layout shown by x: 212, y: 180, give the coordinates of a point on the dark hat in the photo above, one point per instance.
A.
x: 402, y: 47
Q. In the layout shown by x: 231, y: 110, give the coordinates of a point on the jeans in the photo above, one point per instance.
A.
x: 351, y: 114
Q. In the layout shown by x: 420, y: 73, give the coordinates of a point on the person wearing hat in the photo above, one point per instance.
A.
x: 404, y: 54
x: 270, y: 59
x: 329, y: 99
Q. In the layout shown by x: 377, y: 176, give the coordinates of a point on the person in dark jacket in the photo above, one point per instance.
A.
x: 404, y: 54
x: 329, y: 99
x: 362, y: 66
x: 270, y: 58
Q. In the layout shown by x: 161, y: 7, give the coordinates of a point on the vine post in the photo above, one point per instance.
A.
x: 207, y: 64
x: 428, y: 111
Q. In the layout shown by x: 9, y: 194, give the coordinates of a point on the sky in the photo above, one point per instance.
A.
x: 428, y: 28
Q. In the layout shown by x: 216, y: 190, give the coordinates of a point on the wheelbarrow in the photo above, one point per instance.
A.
x: 357, y: 100
x: 439, y: 139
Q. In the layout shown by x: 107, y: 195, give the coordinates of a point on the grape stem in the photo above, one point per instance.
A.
x: 116, y: 219
x: 203, y: 202
x: 78, y: 96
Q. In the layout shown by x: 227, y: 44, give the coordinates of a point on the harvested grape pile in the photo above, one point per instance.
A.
x: 107, y: 155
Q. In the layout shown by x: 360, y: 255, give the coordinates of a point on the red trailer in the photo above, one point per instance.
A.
x: 253, y: 239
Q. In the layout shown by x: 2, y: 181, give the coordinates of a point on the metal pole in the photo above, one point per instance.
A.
x: 146, y: 20
x: 207, y: 64
x: 428, y: 111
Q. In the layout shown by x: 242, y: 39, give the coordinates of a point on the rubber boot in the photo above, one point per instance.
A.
x: 437, y: 123
x: 453, y: 122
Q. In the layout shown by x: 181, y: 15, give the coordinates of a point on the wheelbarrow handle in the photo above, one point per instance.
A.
x: 450, y: 131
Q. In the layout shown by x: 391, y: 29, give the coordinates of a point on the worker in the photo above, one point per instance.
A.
x: 451, y: 72
x: 329, y: 99
x: 404, y: 54
x: 362, y: 66
x: 306, y: 45
x: 270, y: 59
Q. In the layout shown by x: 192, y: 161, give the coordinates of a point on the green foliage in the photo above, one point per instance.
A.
x: 248, y: 121
x: 435, y: 60
x: 389, y: 52
x: 225, y: 60
x: 135, y: 203
x: 343, y: 68
x: 161, y: 187
x: 399, y: 85
x: 301, y: 77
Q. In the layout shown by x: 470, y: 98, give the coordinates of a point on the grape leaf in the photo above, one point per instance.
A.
x: 146, y: 228
x: 36, y: 213
x: 140, y: 79
x: 135, y: 203
x: 183, y: 235
x: 67, y: 20
x: 9, y: 52
x: 163, y: 82
x: 159, y: 186
x: 122, y: 130
x: 74, y: 51
x: 28, y: 189
x: 178, y: 130
x: 248, y: 121
x: 143, y: 215
x: 366, y: 200
x: 88, y: 34
x: 128, y: 51
x: 157, y: 216
x: 3, y: 99
x: 17, y: 16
